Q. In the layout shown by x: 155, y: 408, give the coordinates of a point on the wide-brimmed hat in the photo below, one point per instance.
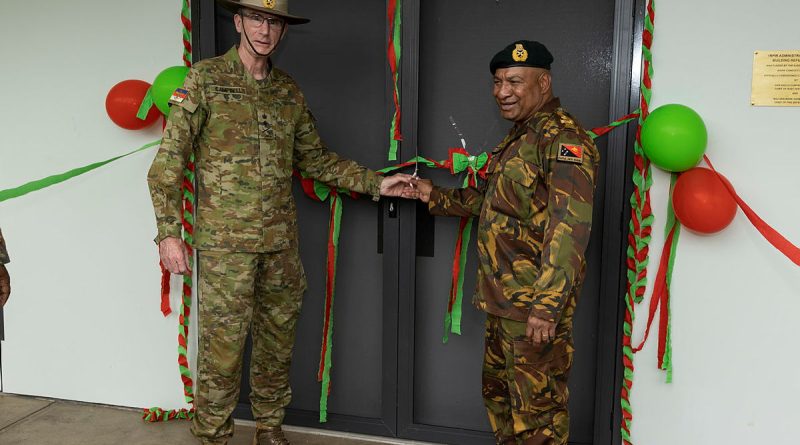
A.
x: 275, y: 7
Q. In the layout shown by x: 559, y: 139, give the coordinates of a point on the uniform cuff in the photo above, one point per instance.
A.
x: 546, y: 306
x: 374, y: 185
x: 434, y: 200
x: 166, y: 231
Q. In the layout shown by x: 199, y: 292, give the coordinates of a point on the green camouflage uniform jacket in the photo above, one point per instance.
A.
x: 247, y: 136
x: 3, y: 252
x: 535, y: 214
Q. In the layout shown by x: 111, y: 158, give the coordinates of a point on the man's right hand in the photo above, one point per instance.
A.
x: 5, y: 285
x: 174, y: 255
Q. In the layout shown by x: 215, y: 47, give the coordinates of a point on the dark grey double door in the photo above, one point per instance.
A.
x: 392, y: 375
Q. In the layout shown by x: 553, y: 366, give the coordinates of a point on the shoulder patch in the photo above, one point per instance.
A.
x: 570, y: 153
x: 178, y: 96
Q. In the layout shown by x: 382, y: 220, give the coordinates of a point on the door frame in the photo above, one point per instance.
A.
x: 398, y: 263
x: 624, y: 95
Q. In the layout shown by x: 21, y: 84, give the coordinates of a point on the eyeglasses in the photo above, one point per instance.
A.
x: 258, y: 20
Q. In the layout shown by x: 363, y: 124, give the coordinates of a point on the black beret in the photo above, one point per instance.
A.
x: 522, y: 53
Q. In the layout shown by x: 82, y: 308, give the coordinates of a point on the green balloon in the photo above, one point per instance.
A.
x: 674, y: 137
x: 165, y: 84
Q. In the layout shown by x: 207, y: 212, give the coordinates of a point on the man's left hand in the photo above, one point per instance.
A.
x: 540, y: 331
x: 394, y: 185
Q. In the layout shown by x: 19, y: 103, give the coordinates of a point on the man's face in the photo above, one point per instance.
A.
x: 521, y: 91
x: 264, y: 30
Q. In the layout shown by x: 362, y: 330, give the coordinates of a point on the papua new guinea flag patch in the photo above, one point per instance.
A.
x: 570, y: 153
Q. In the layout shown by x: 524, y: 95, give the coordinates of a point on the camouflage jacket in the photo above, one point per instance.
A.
x: 535, y: 215
x: 4, y: 259
x: 247, y: 135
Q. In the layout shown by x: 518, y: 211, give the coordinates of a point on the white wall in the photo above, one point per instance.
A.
x: 735, y: 298
x: 83, y: 322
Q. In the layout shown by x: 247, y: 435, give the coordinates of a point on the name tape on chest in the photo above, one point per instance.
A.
x: 220, y: 89
x: 570, y: 153
x: 179, y: 96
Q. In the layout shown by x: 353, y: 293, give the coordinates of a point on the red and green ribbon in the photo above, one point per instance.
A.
x: 187, y: 221
x: 595, y: 133
x: 660, y: 299
x: 394, y: 51
x: 186, y: 20
x: 640, y: 227
x: 326, y: 353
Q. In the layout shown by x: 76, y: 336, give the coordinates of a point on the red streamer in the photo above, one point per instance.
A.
x: 165, y: 276
x: 329, y: 287
x: 659, y: 301
x: 392, y: 56
x: 771, y: 235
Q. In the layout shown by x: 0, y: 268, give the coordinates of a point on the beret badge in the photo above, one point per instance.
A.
x: 519, y: 54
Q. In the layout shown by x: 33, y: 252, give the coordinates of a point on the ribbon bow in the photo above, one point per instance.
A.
x: 460, y: 160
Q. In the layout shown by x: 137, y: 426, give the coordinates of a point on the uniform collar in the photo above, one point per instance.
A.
x: 519, y: 129
x: 232, y: 57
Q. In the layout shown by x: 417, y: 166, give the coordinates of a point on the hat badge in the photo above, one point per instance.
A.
x: 519, y: 54
x: 269, y: 4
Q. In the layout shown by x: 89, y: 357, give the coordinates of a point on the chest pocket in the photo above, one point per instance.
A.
x: 276, y: 124
x: 515, y: 188
x: 231, y: 112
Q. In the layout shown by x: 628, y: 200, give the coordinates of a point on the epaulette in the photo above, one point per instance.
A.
x: 558, y: 122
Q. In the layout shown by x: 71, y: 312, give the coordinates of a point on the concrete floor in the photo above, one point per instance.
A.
x: 38, y: 421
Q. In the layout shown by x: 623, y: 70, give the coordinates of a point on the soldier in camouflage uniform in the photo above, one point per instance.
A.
x: 248, y: 125
x: 5, y: 279
x: 535, y: 214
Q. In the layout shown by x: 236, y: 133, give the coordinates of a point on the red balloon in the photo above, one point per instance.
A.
x: 123, y: 102
x: 701, y: 201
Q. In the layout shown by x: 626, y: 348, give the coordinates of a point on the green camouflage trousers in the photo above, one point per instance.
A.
x: 240, y: 292
x: 525, y: 384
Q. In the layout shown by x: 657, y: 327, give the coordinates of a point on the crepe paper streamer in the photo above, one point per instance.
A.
x: 771, y: 235
x: 666, y: 360
x: 40, y: 184
x: 595, y: 133
x: 147, y: 104
x: 165, y: 290
x: 325, y: 363
x: 660, y: 299
x: 187, y: 221
x: 186, y: 19
x: 156, y: 414
x: 640, y: 227
x: 395, y: 16
x: 452, y: 319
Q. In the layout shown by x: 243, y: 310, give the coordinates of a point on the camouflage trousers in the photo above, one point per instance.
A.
x: 525, y: 384
x: 260, y: 293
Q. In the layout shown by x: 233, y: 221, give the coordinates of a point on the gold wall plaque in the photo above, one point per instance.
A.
x: 776, y: 79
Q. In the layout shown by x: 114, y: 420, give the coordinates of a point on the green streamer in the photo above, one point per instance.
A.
x: 40, y: 184
x: 147, y: 104
x: 336, y: 205
x: 397, y: 42
x: 671, y: 222
x: 453, y: 320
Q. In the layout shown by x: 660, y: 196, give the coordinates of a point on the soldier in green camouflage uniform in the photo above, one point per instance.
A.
x: 248, y: 125
x: 535, y: 213
x: 5, y: 279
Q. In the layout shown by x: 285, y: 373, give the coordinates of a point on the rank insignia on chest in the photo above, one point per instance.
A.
x: 570, y: 153
x: 178, y: 96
